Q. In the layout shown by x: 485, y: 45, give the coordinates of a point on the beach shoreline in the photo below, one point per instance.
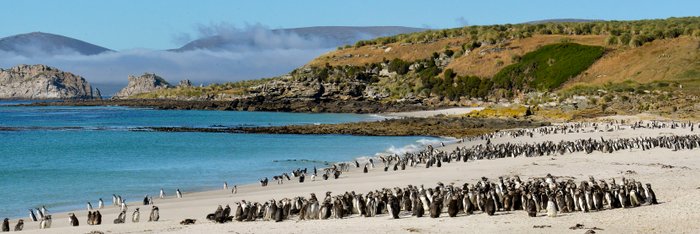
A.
x: 645, y: 165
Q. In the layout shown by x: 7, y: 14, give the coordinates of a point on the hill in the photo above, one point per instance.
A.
x: 327, y: 36
x: 39, y: 43
x: 574, y: 66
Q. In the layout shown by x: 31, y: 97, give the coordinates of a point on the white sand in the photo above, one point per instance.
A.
x: 676, y: 189
x: 431, y: 113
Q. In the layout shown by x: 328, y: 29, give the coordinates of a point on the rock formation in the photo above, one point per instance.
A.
x: 184, y: 83
x: 42, y: 82
x: 145, y: 83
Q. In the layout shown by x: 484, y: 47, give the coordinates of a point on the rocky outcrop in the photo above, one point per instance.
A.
x: 42, y: 82
x: 185, y: 83
x: 143, y: 84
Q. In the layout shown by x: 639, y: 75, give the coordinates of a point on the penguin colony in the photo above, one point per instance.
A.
x: 535, y: 196
x: 506, y: 195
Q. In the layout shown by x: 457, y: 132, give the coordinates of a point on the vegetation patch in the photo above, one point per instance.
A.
x: 548, y: 67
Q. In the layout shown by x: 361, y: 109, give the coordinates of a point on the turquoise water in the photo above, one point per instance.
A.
x: 48, y: 162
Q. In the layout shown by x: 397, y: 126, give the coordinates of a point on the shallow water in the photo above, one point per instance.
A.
x: 50, y: 163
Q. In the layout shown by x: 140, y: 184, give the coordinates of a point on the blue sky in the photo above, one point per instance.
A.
x: 164, y: 24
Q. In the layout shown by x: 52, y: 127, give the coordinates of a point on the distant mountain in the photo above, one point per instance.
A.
x: 567, y: 20
x: 39, y: 43
x: 326, y: 36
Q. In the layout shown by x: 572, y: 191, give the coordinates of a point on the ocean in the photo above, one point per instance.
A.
x: 63, y: 157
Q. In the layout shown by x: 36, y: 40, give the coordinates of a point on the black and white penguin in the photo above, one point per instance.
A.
x: 6, y: 225
x: 145, y: 200
x: 365, y: 169
x: 155, y: 214
x: 162, y: 193
x: 100, y: 204
x: 179, y: 194
x: 19, y: 226
x: 650, y: 195
x: 89, y: 206
x: 32, y: 216
x: 45, y: 222
x: 135, y: 216
x: 394, y: 206
x: 73, y: 220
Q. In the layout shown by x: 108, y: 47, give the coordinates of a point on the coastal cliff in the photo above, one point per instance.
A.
x: 145, y: 83
x: 42, y: 82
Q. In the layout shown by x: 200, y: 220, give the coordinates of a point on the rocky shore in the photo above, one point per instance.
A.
x: 258, y: 103
x: 434, y: 126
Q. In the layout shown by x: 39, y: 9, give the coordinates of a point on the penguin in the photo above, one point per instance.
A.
x: 90, y: 218
x: 467, y: 205
x: 6, y: 225
x: 436, y: 207
x: 225, y: 186
x: 120, y: 218
x: 394, y: 207
x: 73, y: 220
x: 135, y: 216
x: 419, y: 211
x: 114, y: 200
x: 145, y: 200
x: 650, y: 195
x: 45, y: 222
x: 155, y: 214
x: 551, y: 206
x: 40, y: 214
x: 453, y: 206
x: 279, y: 214
x: 490, y: 206
x: 179, y: 194
x: 32, y: 216
x: 162, y: 193
x: 531, y: 207
x: 89, y: 206
x: 19, y: 226
x: 100, y: 204
x: 365, y: 169
x: 44, y: 211
x: 97, y: 217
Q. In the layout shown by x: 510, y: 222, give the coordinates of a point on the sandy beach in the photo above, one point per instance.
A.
x: 672, y: 173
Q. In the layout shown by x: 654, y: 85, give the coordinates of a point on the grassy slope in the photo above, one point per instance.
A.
x: 662, y: 60
x: 549, y: 66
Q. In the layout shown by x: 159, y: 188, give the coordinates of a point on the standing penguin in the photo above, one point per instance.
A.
x: 155, y: 214
x: 394, y: 206
x: 100, y: 204
x: 162, y: 193
x: 531, y: 206
x: 135, y: 216
x: 73, y: 220
x: 19, y: 226
x: 179, y: 194
x: 45, y: 222
x: 453, y: 206
x: 32, y: 216
x: 89, y: 206
x: 650, y: 195
x: 436, y: 207
x: 490, y: 206
x: 6, y: 225
x: 551, y: 206
x: 90, y: 218
x: 365, y: 169
x: 97, y: 217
